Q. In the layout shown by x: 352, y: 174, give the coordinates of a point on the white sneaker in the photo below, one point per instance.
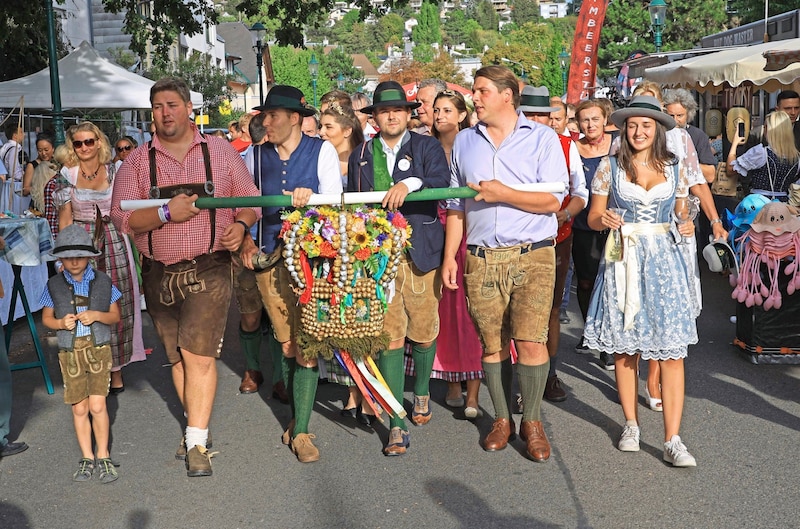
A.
x: 676, y: 453
x: 629, y: 440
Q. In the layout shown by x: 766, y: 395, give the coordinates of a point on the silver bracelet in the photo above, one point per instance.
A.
x: 714, y: 221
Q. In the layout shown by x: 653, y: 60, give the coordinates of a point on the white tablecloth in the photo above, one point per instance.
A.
x: 12, y: 202
x: 28, y: 243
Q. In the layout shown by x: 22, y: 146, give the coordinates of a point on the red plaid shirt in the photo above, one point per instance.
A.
x: 174, y: 242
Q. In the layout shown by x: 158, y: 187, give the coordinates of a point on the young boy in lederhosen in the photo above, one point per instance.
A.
x: 81, y: 304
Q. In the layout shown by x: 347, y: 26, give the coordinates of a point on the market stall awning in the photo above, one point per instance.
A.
x: 728, y: 68
x: 780, y: 59
x: 88, y: 81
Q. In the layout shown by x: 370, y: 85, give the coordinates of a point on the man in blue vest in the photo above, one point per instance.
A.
x: 399, y: 161
x: 291, y: 163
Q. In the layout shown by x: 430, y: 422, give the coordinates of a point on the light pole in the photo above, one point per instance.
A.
x: 55, y: 85
x: 658, y: 14
x: 257, y: 32
x: 313, y: 69
x: 340, y: 81
x: 521, y: 68
x: 563, y: 56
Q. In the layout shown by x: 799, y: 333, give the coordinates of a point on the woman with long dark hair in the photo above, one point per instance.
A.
x: 639, y: 302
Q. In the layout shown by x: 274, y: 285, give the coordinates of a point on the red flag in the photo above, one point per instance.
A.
x: 583, y: 67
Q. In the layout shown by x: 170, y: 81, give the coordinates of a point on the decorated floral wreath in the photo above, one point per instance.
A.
x: 342, y: 261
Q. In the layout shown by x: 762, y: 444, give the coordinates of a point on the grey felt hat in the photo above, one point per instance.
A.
x: 535, y: 99
x: 642, y: 106
x: 74, y: 241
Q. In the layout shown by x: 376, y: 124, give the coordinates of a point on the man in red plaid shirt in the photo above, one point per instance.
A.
x: 186, y: 252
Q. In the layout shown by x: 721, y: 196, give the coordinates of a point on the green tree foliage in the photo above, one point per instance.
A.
x: 122, y: 57
x: 551, y: 69
x: 389, y: 30
x: 530, y: 46
x: 161, y: 24
x: 23, y: 38
x: 338, y: 61
x: 753, y: 10
x: 523, y: 11
x: 482, y: 11
x: 201, y: 77
x: 627, y: 27
x: 424, y: 53
x: 427, y: 29
x: 454, y: 28
x: 443, y: 67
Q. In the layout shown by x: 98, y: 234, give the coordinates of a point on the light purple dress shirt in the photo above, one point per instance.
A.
x: 531, y: 153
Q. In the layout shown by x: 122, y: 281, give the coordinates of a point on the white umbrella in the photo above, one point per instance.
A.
x: 728, y: 68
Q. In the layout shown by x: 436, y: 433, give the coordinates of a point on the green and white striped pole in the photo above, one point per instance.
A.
x: 370, y: 197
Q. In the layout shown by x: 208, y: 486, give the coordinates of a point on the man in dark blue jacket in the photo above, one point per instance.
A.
x: 399, y: 161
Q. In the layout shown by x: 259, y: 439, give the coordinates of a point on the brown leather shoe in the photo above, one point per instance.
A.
x: 304, y: 448
x: 538, y: 447
x: 250, y: 381
x: 279, y: 392
x: 503, y: 431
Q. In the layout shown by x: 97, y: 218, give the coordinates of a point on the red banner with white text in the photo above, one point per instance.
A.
x: 583, y: 66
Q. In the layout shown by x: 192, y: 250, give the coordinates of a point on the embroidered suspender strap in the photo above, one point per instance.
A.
x: 208, y: 189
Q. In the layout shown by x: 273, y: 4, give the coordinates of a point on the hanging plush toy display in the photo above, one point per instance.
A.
x: 739, y: 221
x: 343, y: 262
x: 772, y: 241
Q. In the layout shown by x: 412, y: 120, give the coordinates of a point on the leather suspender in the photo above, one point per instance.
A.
x: 171, y: 191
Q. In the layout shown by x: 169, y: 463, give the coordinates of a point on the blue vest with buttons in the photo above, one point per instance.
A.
x: 277, y: 176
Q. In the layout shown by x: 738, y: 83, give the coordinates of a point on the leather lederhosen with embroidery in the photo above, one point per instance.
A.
x: 206, y: 189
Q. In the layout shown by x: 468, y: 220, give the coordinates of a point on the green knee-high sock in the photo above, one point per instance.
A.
x: 423, y: 365
x: 288, y: 365
x: 532, y: 380
x: 276, y: 353
x: 498, y: 380
x: 390, y: 364
x: 251, y: 347
x: 305, y: 390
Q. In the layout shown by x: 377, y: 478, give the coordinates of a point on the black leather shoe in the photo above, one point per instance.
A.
x: 13, y: 448
x: 349, y: 412
x: 365, y: 418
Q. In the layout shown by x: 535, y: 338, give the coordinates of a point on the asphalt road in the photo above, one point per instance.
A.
x: 741, y: 422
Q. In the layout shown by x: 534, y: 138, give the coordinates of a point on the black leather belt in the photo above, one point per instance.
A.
x: 480, y: 251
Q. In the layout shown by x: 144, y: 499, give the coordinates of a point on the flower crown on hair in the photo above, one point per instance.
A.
x: 336, y: 107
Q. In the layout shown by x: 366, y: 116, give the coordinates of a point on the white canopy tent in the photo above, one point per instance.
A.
x: 728, y: 68
x: 88, y: 81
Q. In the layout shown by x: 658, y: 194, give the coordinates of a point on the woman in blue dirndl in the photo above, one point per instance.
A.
x: 640, y: 305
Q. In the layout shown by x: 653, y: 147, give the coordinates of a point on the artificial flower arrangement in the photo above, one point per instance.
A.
x: 342, y: 262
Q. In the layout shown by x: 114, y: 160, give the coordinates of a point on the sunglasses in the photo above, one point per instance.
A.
x: 124, y: 148
x: 76, y: 144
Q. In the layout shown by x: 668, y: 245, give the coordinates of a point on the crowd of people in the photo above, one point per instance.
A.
x: 478, y: 296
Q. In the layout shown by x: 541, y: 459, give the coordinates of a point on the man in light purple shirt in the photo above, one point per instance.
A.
x: 510, y: 265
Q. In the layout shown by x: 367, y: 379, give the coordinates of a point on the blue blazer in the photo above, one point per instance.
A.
x: 428, y: 163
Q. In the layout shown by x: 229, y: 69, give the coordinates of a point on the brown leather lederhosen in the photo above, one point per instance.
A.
x: 206, y: 189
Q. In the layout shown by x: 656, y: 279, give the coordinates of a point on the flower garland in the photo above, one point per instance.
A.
x: 344, y: 260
